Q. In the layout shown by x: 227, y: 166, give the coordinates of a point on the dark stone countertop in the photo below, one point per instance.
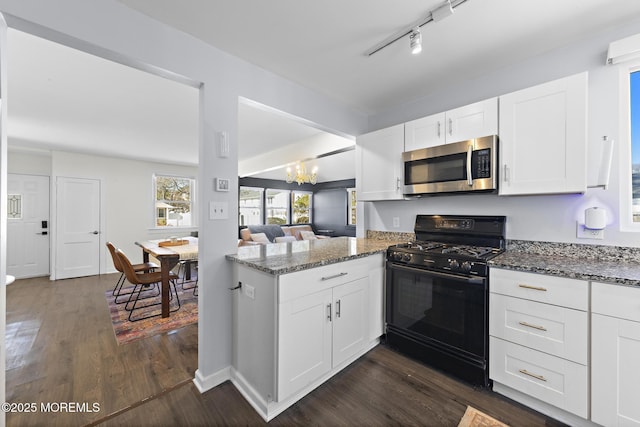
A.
x: 590, y: 266
x: 282, y: 258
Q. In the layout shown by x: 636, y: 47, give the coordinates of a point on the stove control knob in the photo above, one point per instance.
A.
x: 397, y: 256
x: 466, y: 266
x: 453, y: 264
x: 406, y: 257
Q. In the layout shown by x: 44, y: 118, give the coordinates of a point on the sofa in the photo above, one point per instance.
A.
x: 273, y: 233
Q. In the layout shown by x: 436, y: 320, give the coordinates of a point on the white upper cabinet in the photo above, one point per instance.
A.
x: 471, y: 121
x: 424, y: 132
x: 543, y: 138
x: 379, y: 167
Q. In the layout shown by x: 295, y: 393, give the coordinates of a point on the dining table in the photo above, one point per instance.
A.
x: 168, y: 252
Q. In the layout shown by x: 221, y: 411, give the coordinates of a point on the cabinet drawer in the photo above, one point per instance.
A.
x: 560, y: 291
x: 554, y: 380
x: 559, y: 331
x: 616, y: 300
x: 305, y: 282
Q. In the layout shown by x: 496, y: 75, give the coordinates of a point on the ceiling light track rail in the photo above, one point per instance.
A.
x: 434, y: 15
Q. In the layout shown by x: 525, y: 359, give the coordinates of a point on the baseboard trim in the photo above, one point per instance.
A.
x: 203, y: 383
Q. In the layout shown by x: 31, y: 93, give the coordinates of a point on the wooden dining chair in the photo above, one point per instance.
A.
x: 145, y: 267
x: 139, y: 280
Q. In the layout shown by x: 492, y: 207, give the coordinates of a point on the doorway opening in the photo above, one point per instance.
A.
x: 78, y: 117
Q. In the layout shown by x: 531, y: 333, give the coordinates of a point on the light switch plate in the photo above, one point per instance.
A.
x: 218, y: 210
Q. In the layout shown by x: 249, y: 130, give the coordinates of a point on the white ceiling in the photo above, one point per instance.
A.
x: 321, y: 44
x: 64, y: 99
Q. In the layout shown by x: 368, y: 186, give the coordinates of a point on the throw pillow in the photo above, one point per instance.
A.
x: 284, y: 239
x: 260, y: 238
x: 308, y: 235
x: 271, y: 230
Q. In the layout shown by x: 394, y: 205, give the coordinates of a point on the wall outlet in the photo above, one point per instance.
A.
x: 249, y: 291
x: 396, y: 222
x: 583, y: 232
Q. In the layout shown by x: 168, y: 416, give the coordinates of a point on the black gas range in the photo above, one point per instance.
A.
x: 437, y: 293
x: 462, y: 259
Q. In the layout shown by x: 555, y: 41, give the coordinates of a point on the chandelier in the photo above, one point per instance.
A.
x: 301, y: 176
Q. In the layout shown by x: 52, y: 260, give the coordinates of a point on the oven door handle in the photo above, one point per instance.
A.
x: 461, y: 278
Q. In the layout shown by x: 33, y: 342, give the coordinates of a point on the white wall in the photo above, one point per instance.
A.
x: 545, y: 218
x: 127, y: 194
x: 111, y: 29
x: 29, y: 162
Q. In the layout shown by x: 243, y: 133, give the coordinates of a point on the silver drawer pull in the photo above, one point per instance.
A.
x: 535, y: 288
x: 538, y: 377
x: 529, y: 325
x: 334, y: 276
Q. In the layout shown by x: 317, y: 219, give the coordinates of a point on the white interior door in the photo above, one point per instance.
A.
x: 28, y: 225
x: 77, y: 227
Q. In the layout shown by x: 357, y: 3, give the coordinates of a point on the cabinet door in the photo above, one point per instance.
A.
x: 615, y: 377
x: 350, y: 319
x: 472, y: 121
x: 379, y: 167
x: 543, y: 131
x: 304, y: 341
x: 424, y: 132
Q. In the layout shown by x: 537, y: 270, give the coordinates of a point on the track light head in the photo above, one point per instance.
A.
x: 415, y: 41
x: 446, y: 9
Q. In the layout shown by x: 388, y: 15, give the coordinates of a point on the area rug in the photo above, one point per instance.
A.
x: 126, y: 331
x: 474, y: 418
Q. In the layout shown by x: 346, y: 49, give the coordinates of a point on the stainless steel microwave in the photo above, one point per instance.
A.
x: 458, y: 167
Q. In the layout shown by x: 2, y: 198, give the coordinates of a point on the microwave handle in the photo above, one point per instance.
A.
x: 469, y: 176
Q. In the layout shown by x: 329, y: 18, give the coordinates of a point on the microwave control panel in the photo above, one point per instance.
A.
x: 481, y: 161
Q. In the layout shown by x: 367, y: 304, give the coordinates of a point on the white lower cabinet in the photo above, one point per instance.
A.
x: 318, y: 332
x: 294, y: 331
x: 615, y: 354
x: 553, y: 380
x: 539, y: 334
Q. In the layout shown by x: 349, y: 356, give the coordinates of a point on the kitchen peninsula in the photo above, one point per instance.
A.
x: 302, y: 312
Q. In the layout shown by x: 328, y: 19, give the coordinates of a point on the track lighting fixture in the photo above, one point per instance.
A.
x: 445, y: 9
x: 415, y: 41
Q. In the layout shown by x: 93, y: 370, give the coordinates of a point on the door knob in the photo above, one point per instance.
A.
x: 95, y: 232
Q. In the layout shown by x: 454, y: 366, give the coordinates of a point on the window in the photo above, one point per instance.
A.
x: 277, y: 206
x: 634, y: 122
x: 251, y: 206
x: 301, y: 207
x: 174, y: 197
x: 351, y: 206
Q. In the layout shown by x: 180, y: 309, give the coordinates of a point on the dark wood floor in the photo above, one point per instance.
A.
x: 61, y: 348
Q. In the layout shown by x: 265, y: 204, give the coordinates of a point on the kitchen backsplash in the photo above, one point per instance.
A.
x: 392, y: 236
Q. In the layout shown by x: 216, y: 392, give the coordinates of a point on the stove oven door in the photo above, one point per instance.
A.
x: 447, y: 312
